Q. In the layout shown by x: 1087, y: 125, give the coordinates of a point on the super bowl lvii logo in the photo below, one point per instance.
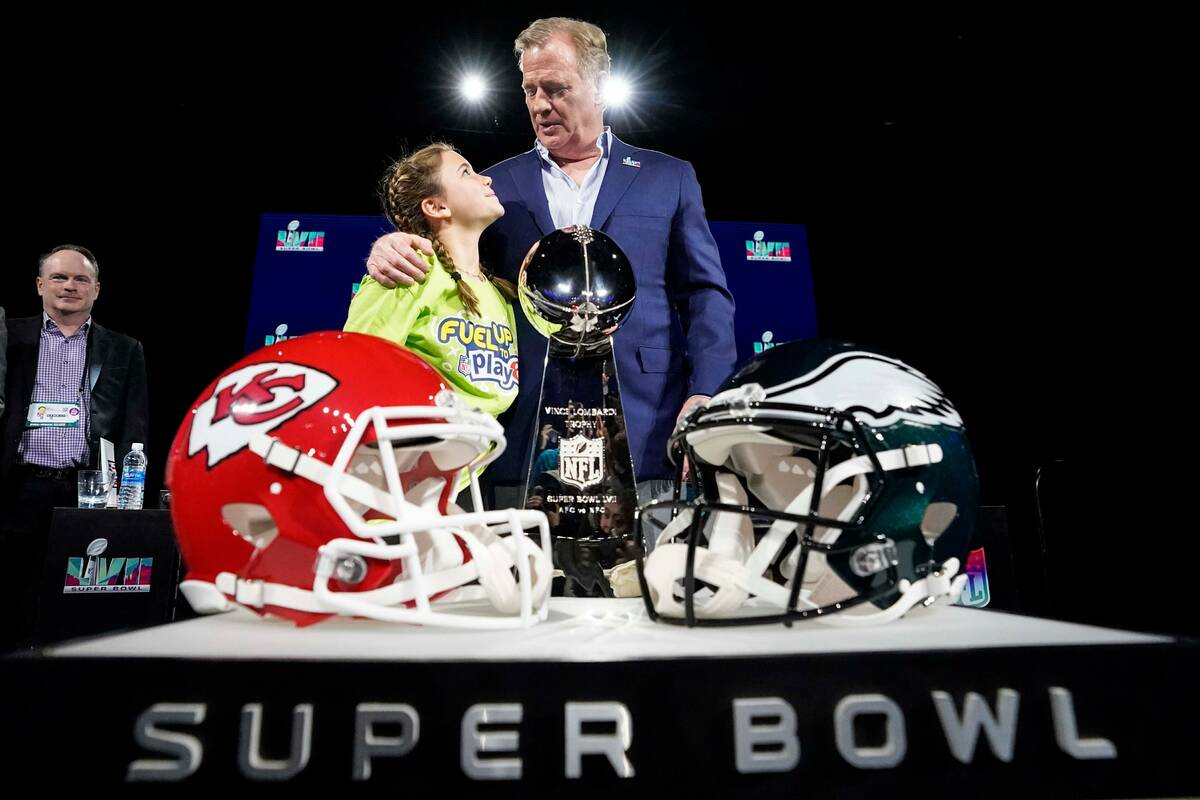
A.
x: 95, y: 574
x: 294, y: 240
x: 977, y: 593
x: 758, y: 249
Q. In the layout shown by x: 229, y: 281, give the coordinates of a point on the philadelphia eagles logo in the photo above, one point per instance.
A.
x: 875, y: 388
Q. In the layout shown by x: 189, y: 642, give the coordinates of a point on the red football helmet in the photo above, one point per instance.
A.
x: 315, y: 477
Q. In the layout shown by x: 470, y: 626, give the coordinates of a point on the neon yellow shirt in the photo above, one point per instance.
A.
x: 476, y: 355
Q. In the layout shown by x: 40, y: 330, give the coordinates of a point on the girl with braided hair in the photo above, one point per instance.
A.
x: 460, y: 319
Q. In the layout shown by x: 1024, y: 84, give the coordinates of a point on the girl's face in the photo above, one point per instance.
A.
x: 466, y: 197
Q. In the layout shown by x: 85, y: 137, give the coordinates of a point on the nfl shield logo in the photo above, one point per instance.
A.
x: 581, y: 461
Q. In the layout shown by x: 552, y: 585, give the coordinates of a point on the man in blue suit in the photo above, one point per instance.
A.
x: 678, y: 345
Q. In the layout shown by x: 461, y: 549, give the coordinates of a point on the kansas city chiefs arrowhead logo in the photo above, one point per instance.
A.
x: 254, y: 399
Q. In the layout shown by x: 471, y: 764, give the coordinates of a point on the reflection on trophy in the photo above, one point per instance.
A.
x: 576, y: 288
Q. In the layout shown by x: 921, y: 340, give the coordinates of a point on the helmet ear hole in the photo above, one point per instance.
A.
x: 938, y: 517
x: 252, y: 522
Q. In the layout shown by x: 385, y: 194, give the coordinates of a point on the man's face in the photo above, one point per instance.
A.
x: 564, y: 107
x: 67, y: 284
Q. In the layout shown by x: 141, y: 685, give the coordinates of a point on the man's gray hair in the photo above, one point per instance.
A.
x: 591, y: 45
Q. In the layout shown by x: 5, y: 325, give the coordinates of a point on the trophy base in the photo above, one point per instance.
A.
x: 581, y: 473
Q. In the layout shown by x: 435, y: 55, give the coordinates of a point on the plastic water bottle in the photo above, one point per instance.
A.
x: 133, y: 478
